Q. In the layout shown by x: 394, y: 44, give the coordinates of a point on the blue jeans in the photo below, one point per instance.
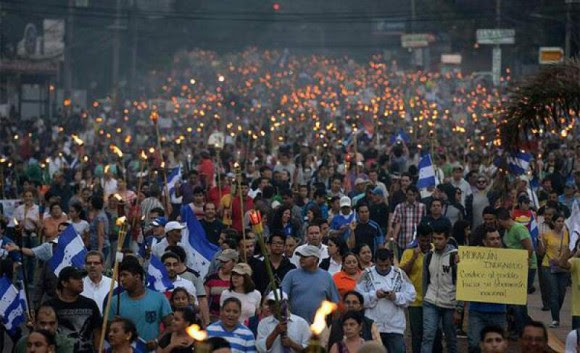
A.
x: 432, y: 315
x: 393, y: 342
x: 531, y: 275
x: 416, y: 324
x: 477, y: 322
x: 520, y: 318
x: 558, y: 283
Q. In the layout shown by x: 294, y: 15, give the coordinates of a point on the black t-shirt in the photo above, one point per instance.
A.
x: 166, y: 341
x: 212, y: 230
x: 380, y: 213
x: 282, y: 270
x: 78, y: 321
x: 259, y: 274
x: 366, y: 233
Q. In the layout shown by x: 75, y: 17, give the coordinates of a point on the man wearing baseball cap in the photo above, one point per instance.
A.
x: 172, y: 237
x: 79, y: 317
x: 157, y: 232
x: 341, y: 222
x: 309, y: 285
x: 274, y: 336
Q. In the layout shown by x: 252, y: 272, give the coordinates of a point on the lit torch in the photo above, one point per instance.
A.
x: 116, y: 150
x: 199, y: 335
x: 77, y: 140
x: 326, y: 308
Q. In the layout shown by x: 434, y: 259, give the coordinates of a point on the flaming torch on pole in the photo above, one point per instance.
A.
x: 258, y: 229
x: 122, y: 223
x: 318, y: 325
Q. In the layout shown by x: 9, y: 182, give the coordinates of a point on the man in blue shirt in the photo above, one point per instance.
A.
x: 308, y: 285
x: 145, y: 307
x: 340, y: 226
x: 485, y: 314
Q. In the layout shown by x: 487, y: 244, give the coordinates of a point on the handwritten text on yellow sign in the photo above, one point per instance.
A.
x: 492, y: 275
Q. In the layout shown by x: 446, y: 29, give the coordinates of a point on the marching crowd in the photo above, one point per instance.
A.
x: 328, y: 152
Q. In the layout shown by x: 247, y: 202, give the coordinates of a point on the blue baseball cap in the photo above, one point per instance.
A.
x: 159, y: 222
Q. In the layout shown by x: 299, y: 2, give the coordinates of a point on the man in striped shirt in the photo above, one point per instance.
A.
x: 406, y: 217
x: 229, y: 327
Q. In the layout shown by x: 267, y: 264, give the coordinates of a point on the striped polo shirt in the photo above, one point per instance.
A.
x: 241, y: 338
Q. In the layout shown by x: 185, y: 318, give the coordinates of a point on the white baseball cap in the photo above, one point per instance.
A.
x: 173, y: 226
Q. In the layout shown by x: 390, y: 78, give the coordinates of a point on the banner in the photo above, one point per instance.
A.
x: 492, y: 275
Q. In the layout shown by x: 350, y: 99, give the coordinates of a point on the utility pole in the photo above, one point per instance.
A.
x: 568, y: 38
x: 134, y: 50
x: 496, y: 51
x: 116, y: 48
x: 68, y: 44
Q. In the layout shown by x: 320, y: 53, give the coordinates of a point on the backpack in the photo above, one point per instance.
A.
x: 452, y: 265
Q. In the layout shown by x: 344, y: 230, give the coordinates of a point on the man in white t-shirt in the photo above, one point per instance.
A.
x: 313, y: 237
x: 171, y: 262
x: 95, y: 285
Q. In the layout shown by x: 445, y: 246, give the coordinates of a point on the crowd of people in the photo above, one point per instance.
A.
x: 327, y: 150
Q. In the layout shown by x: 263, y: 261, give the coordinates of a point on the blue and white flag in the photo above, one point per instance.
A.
x: 12, y: 305
x: 426, y: 172
x: 157, y: 276
x: 573, y: 224
x: 172, y: 179
x: 517, y: 163
x: 195, y: 242
x: 534, y: 231
x: 400, y: 136
x: 70, y: 251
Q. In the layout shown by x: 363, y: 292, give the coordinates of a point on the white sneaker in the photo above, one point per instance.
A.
x: 554, y: 324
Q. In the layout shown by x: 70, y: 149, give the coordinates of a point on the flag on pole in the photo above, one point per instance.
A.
x: 70, y: 251
x: 172, y: 179
x: 157, y: 276
x: 400, y: 136
x: 573, y: 224
x: 195, y: 242
x: 517, y: 163
x: 12, y: 306
x: 534, y: 231
x: 426, y: 172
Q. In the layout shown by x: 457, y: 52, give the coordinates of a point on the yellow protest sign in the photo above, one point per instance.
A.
x: 492, y: 275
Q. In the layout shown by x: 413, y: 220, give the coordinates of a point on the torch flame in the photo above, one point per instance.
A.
x: 15, y: 222
x: 143, y: 155
x: 120, y: 221
x: 195, y: 332
x: 319, y: 323
x: 118, y: 197
x: 77, y: 140
x: 116, y: 150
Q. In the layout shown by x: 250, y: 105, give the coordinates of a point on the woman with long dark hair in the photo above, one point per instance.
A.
x: 336, y: 250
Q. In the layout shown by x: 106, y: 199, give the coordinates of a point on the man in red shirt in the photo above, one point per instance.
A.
x: 206, y: 169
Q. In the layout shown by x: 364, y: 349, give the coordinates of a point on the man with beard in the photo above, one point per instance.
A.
x: 172, y: 263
